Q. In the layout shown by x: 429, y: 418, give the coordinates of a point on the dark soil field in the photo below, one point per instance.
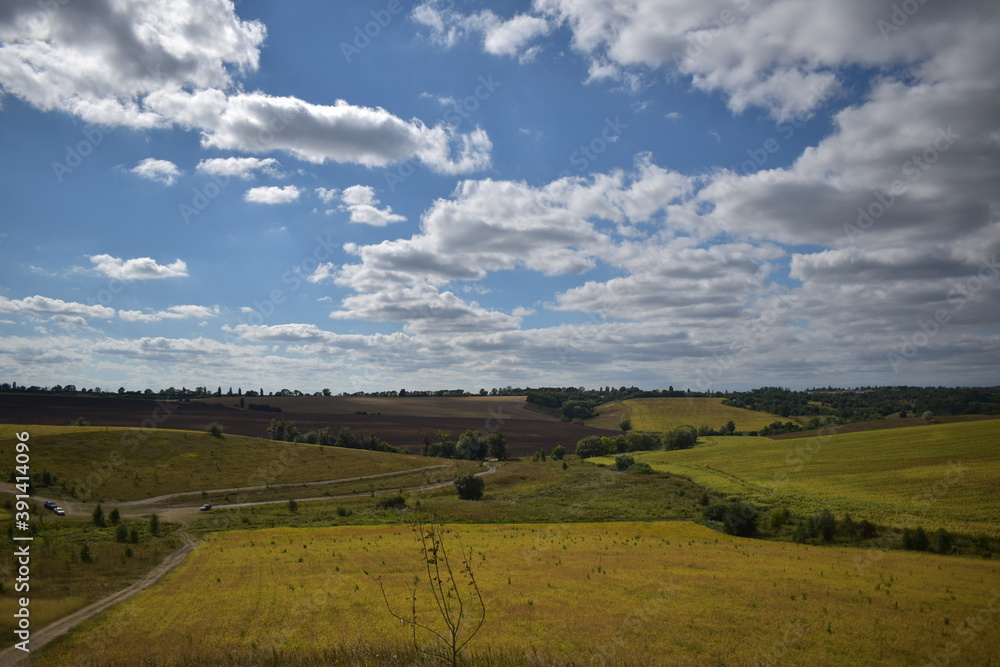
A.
x: 525, y: 434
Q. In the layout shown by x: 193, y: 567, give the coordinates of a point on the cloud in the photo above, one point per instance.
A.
x: 239, y: 167
x: 499, y: 37
x: 327, y: 194
x: 270, y: 194
x: 101, y: 60
x: 67, y: 313
x: 171, y: 313
x: 260, y: 123
x: 326, y: 271
x: 424, y: 309
x: 360, y: 202
x: 161, y: 171
x: 140, y: 268
x: 161, y: 63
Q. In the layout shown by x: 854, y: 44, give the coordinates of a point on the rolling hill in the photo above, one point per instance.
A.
x: 664, y: 414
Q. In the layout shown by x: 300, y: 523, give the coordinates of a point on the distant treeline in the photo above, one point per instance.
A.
x: 577, y: 403
x: 867, y: 403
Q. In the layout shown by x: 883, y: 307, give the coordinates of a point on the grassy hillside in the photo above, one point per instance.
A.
x: 936, y: 476
x: 113, y: 463
x: 663, y: 414
x: 619, y: 593
x: 482, y: 407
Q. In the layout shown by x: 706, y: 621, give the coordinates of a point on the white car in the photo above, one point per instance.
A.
x: 60, y: 511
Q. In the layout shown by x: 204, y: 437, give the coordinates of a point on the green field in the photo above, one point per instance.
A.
x: 663, y: 414
x: 111, y: 463
x: 608, y: 593
x: 935, y: 476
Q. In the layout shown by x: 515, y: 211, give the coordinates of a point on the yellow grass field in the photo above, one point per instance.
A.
x: 113, y: 463
x: 669, y: 593
x: 663, y: 414
x: 936, y: 476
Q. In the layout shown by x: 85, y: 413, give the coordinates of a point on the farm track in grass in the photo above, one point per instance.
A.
x: 579, y: 593
x: 937, y: 476
x: 663, y: 414
x: 526, y: 430
x: 121, y: 464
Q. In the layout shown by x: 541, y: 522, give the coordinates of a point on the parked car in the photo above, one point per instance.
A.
x: 49, y: 505
x: 60, y: 511
x: 206, y: 507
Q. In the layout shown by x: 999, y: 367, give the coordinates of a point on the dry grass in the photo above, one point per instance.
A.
x: 637, y: 593
x: 935, y: 476
x: 663, y: 414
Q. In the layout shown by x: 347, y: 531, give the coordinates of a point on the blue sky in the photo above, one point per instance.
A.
x: 714, y: 195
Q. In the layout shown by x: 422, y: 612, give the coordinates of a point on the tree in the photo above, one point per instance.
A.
x: 99, y: 516
x: 497, y: 443
x: 625, y: 425
x: 121, y: 533
x: 730, y: 427
x: 469, y: 486
x: 740, y: 519
x: 928, y: 416
x: 154, y: 525
x: 283, y: 429
x: 115, y: 516
x: 214, y: 429
x: 682, y: 437
x: 824, y: 525
x: 558, y: 453
x: 589, y: 447
x: 293, y: 505
x: 472, y: 446
x: 458, y: 602
x: 623, y: 462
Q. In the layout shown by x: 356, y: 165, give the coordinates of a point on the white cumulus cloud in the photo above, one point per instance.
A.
x: 161, y: 171
x: 139, y: 268
x: 271, y: 194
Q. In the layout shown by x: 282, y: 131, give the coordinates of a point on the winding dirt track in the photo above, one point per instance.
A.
x: 40, y: 638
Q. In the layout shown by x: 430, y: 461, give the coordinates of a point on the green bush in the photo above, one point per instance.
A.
x: 559, y: 453
x: 623, y: 462
x: 469, y: 486
x: 393, y: 501
x: 589, y: 447
x: 640, y: 468
x: 214, y: 429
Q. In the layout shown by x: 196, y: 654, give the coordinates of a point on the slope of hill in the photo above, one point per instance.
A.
x: 664, y: 414
x: 936, y: 476
x: 594, y: 593
x: 123, y: 464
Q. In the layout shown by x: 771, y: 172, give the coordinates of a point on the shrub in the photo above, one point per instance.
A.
x: 85, y: 554
x: 714, y: 512
x: 915, y: 540
x: 99, y: 516
x: 343, y: 511
x: 589, y: 447
x: 740, y: 519
x: 823, y: 525
x: 640, y: 468
x: 393, y: 501
x: 866, y: 529
x: 558, y: 453
x: 469, y: 486
x: 214, y: 429
x: 115, y: 516
x: 682, y: 437
x: 623, y: 462
x: 943, y: 541
x: 293, y: 505
x: 154, y: 525
x: 779, y: 517
x: 121, y: 533
x: 625, y: 425
x: 80, y: 421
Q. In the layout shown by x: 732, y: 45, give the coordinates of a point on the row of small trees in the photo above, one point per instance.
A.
x: 288, y: 431
x: 682, y: 437
x: 471, y: 445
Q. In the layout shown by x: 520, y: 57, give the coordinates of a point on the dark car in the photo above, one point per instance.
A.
x: 49, y: 505
x: 205, y: 507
